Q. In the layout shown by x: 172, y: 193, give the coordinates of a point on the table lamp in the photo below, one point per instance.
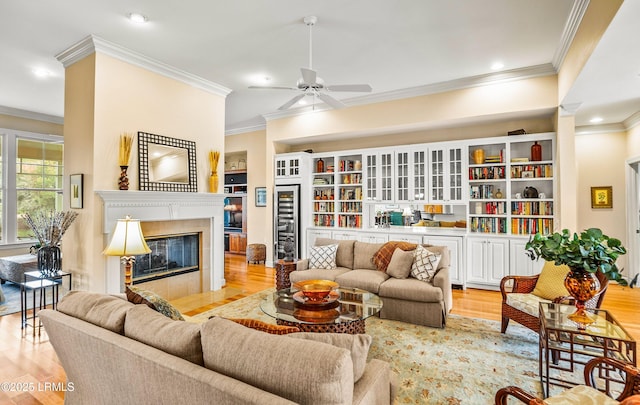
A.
x: 127, y: 241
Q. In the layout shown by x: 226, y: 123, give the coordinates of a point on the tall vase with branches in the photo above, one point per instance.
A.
x: 126, y: 140
x: 48, y: 228
x: 214, y: 156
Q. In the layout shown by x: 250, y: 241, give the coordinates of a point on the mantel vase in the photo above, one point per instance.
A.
x: 213, y: 183
x: 123, y: 181
x: 582, y: 286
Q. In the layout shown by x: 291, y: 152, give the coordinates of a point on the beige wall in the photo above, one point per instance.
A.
x: 105, y: 97
x: 30, y: 125
x: 254, y: 144
x: 601, y: 162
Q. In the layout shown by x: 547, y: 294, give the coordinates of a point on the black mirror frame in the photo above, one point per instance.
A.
x: 144, y: 184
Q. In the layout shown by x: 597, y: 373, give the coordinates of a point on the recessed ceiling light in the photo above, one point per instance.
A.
x: 138, y: 18
x: 595, y: 120
x: 41, y: 73
x: 497, y: 65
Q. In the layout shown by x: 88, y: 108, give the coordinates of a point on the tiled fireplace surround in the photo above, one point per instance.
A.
x: 165, y: 213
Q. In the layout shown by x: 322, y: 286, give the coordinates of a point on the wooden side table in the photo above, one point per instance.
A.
x: 282, y: 273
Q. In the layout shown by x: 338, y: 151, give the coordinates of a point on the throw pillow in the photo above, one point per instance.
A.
x: 425, y: 264
x: 323, y: 257
x: 384, y: 254
x: 157, y: 302
x: 550, y: 284
x: 358, y: 345
x: 400, y: 264
x: 265, y: 327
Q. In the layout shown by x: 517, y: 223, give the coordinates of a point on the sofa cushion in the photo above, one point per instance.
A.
x: 323, y: 257
x: 181, y: 339
x: 383, y: 256
x: 527, y: 303
x: 265, y: 327
x: 400, y: 264
x: 102, y: 310
x: 583, y: 395
x: 344, y: 255
x: 425, y: 264
x: 410, y: 290
x: 358, y: 345
x: 550, y: 284
x: 363, y: 255
x: 316, y: 274
x: 364, y: 279
x: 299, y: 370
x: 157, y: 302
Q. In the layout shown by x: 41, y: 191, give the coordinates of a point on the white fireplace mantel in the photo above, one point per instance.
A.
x: 165, y: 206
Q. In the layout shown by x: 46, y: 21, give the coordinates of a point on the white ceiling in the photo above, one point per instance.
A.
x: 391, y: 45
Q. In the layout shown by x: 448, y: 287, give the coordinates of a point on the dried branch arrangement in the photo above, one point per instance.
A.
x: 50, y: 226
x: 214, y: 156
x: 126, y: 140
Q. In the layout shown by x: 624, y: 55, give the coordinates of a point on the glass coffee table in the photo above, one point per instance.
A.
x: 346, y: 314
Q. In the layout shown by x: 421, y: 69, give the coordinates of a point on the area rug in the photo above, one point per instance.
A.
x: 11, y: 304
x: 464, y: 363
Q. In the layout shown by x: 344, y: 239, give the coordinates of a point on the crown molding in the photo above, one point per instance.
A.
x: 16, y: 112
x: 632, y: 121
x: 93, y: 43
x: 244, y: 130
x: 418, y: 91
x: 600, y: 129
x: 571, y: 27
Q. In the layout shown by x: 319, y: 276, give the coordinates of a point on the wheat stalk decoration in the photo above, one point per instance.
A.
x: 126, y: 140
x: 49, y: 227
x: 214, y: 155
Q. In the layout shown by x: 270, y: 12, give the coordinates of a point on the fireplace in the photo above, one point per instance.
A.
x: 171, y: 255
x: 164, y: 214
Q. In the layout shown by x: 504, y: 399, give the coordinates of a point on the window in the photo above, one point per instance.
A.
x: 33, y: 164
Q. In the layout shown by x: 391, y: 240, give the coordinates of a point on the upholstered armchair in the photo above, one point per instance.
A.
x: 521, y: 304
x: 584, y: 394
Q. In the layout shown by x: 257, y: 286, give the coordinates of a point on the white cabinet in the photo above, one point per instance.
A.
x: 446, y: 174
x: 378, y: 176
x: 455, y: 245
x: 519, y: 263
x: 344, y: 235
x: 405, y: 237
x: 312, y: 235
x: 411, y: 175
x: 487, y: 261
x: 290, y: 165
x: 372, y: 237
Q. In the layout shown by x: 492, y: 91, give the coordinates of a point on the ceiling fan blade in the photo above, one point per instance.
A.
x: 273, y: 87
x: 308, y: 75
x: 365, y: 88
x: 331, y: 101
x: 291, y: 102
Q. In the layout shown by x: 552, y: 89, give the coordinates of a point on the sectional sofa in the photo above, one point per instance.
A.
x: 404, y: 299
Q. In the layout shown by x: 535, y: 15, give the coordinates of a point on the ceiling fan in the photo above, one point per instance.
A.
x: 312, y: 85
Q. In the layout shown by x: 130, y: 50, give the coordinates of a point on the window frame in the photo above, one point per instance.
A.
x: 9, y: 139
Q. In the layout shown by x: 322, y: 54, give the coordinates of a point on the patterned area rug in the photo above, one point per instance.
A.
x: 11, y: 303
x: 464, y: 363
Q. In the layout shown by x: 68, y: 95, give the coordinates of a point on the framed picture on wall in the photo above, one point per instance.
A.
x: 261, y: 196
x: 602, y: 197
x: 76, y: 190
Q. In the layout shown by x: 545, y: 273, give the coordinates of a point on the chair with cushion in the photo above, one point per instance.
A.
x: 591, y: 393
x: 521, y: 301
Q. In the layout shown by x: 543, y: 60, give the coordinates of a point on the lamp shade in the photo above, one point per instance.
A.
x: 127, y: 239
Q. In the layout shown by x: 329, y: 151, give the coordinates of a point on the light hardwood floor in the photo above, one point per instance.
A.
x: 32, y: 360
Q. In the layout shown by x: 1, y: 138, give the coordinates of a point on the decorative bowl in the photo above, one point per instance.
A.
x: 316, y: 290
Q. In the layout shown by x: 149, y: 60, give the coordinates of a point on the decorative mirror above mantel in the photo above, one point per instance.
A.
x: 166, y: 164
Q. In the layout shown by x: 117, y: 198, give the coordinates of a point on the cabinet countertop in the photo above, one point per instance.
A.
x: 422, y: 230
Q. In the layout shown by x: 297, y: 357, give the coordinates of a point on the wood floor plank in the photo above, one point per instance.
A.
x: 25, y: 359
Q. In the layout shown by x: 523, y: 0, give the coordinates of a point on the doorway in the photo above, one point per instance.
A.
x: 633, y: 217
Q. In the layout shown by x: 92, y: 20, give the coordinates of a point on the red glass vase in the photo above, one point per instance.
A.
x: 582, y: 286
x: 536, y: 152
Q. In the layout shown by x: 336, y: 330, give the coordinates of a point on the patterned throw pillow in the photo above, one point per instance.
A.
x: 323, y: 257
x: 265, y: 327
x: 154, y: 301
x: 425, y: 264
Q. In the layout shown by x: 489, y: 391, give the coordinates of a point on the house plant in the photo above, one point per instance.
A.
x: 585, y: 254
x: 48, y: 227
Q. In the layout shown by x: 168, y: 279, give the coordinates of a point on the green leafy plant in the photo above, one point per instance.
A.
x: 590, y: 251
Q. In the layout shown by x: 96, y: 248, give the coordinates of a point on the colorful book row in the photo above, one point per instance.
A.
x: 488, y: 225
x: 350, y: 221
x: 532, y: 208
x: 531, y: 171
x: 487, y: 173
x: 528, y: 226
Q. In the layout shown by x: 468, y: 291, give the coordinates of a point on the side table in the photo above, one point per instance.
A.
x: 36, y: 282
x: 282, y: 273
x: 564, y: 347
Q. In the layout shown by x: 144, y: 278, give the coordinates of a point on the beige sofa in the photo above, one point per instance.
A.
x: 404, y: 299
x: 115, y: 352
